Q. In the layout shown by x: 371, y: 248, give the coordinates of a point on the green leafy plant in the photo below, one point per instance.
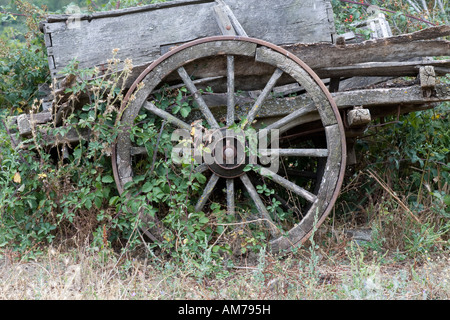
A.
x: 23, y: 61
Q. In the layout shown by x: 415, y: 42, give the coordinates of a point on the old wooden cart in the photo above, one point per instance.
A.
x: 268, y: 65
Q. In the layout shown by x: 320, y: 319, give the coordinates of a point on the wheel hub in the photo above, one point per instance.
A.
x: 227, y: 156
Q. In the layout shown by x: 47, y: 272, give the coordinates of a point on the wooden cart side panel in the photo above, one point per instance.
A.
x: 144, y: 35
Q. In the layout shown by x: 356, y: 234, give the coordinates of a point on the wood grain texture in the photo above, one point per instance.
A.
x: 25, y: 122
x: 292, y: 111
x: 140, y: 33
x: 391, y: 96
x: 398, y: 48
x: 381, y: 69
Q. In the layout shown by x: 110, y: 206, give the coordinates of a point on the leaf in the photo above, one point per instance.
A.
x: 175, y: 109
x: 88, y: 204
x: 447, y: 200
x: 113, y: 200
x: 98, y: 202
x: 203, y: 220
x: 200, y: 177
x: 138, y: 178
x: 158, y: 193
x: 147, y: 187
x: 185, y: 111
x: 17, y: 178
x: 107, y: 179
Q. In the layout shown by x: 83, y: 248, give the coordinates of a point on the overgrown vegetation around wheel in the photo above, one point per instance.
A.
x: 401, y: 191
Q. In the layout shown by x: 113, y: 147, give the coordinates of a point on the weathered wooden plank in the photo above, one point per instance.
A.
x: 300, y: 112
x: 295, y: 152
x: 356, y: 83
x: 381, y: 102
x: 285, y: 113
x: 384, y: 69
x: 249, y: 72
x: 140, y: 33
x: 73, y: 135
x: 272, y: 108
x: 374, y: 97
x: 25, y: 122
x: 398, y: 48
x: 126, y: 11
x: 249, y: 75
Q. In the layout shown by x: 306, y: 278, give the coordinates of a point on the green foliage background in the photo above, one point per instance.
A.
x: 42, y: 201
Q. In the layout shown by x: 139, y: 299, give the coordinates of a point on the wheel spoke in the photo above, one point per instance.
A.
x: 166, y: 116
x: 201, y: 168
x: 292, y: 116
x: 320, y: 153
x: 230, y: 88
x: 207, y: 192
x: 259, y: 204
x: 308, y: 196
x: 138, y: 150
x: 269, y: 86
x: 230, y: 196
x: 201, y: 102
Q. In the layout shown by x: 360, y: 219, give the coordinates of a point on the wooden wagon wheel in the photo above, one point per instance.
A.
x: 311, y: 154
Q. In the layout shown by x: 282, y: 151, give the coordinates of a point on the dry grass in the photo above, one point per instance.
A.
x: 351, y: 273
